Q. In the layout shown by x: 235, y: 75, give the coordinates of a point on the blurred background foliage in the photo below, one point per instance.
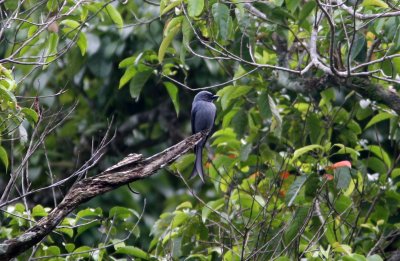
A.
x: 292, y: 175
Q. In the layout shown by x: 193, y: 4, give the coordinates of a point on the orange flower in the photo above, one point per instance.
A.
x: 285, y: 174
x: 340, y: 164
x: 282, y: 193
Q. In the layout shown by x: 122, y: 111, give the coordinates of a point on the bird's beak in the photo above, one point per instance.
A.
x: 215, y: 97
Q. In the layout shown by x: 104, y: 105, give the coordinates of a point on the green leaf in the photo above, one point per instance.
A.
x: 229, y: 93
x: 374, y: 258
x: 342, y: 204
x: 296, y: 224
x: 358, y: 45
x: 292, y: 5
x: 39, y: 211
x: 164, y: 9
x: 382, y: 154
x: 179, y: 218
x: 173, y: 94
x: 221, y: 16
x: 342, y: 177
x: 231, y: 256
x: 295, y: 189
x: 138, y: 81
x: 378, y: 118
x: 4, y: 157
x: 70, y: 23
x: 195, y: 7
x: 133, y: 252
x: 127, y: 62
x: 187, y: 34
x: 88, y: 212
x: 52, y: 47
x: 129, y: 73
x: 304, y: 150
x: 52, y: 251
x: 83, y: 228
x: 378, y: 3
x: 306, y: 10
x: 82, y: 43
x: 115, y: 15
x: 86, y: 252
x: 69, y: 247
x: 66, y: 230
x: 210, y: 207
x: 185, y: 205
x: 167, y: 41
x: 7, y: 95
x: 263, y: 104
x: 122, y: 213
x: 196, y: 257
x: 176, y: 21
x: 30, y: 115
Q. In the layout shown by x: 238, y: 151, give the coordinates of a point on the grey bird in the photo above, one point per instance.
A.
x: 202, y: 118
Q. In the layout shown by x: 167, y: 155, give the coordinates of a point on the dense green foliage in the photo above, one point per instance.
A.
x: 298, y: 166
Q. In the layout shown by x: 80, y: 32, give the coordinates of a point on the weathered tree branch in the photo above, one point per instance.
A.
x: 133, y: 167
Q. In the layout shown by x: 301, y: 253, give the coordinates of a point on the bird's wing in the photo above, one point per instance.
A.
x: 203, y: 116
x: 193, y: 117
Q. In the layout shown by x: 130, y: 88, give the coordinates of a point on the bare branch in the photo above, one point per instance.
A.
x: 134, y: 167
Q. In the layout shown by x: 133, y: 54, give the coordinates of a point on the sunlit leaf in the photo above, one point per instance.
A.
x: 195, y: 7
x: 378, y: 3
x: 133, y: 252
x: 114, y: 15
x: 167, y: 41
x: 30, y: 115
x: 299, y: 152
x: 211, y: 207
x: 378, y: 118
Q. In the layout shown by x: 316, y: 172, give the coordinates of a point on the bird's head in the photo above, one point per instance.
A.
x: 205, y: 96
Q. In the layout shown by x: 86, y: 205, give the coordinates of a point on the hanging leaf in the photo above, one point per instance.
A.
x: 382, y: 154
x: 30, y: 115
x: 195, y: 7
x: 138, y: 81
x: 358, y: 44
x: 167, y: 41
x: 52, y: 47
x: 222, y: 18
x: 4, y: 157
x: 342, y: 177
x: 82, y: 43
x: 114, y: 15
x: 295, y: 189
x: 173, y: 94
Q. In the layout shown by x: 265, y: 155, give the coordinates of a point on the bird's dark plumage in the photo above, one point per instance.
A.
x: 202, y: 118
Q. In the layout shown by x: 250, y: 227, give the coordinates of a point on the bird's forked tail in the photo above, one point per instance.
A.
x: 198, y: 165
